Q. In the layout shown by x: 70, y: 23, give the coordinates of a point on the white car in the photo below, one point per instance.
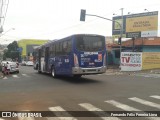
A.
x: 23, y: 63
x: 13, y: 66
x: 29, y: 63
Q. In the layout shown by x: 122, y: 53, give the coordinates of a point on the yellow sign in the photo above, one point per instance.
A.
x: 24, y: 42
x: 144, y: 23
x: 150, y: 60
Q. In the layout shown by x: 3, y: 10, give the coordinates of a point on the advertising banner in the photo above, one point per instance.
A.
x: 150, y: 60
x: 137, y: 25
x: 131, y: 61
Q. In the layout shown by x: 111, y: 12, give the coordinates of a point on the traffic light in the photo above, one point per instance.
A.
x: 82, y: 15
x: 119, y: 41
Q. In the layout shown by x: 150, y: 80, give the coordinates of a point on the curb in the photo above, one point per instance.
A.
x: 117, y: 70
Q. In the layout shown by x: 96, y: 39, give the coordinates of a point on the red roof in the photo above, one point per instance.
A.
x: 142, y: 41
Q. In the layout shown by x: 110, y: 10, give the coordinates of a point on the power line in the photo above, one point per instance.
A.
x: 5, y: 12
x: 1, y: 10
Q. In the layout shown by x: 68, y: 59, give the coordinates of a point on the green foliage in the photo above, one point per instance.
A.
x: 11, y: 52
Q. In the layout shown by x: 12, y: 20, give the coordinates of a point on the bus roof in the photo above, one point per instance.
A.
x: 52, y: 41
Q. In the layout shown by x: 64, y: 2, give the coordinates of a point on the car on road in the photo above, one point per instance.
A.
x: 13, y: 66
x: 29, y: 63
x: 23, y: 63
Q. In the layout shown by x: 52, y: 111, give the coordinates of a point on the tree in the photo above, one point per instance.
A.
x: 12, y: 51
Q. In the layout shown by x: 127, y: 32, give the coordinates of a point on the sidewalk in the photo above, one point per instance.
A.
x: 116, y: 69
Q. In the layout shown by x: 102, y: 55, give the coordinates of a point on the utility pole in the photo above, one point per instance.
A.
x: 82, y: 18
x: 121, y: 34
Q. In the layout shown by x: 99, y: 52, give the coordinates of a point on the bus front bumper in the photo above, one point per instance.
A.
x: 85, y: 71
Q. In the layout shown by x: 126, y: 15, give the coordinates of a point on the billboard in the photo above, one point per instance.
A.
x: 131, y: 61
x: 137, y: 25
x: 29, y: 42
x: 136, y: 61
x: 150, y: 60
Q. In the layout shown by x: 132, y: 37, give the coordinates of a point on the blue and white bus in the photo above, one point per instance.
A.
x: 76, y: 55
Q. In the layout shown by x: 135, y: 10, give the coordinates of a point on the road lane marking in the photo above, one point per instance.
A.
x: 5, y: 78
x: 155, y: 96
x: 128, y: 108
x: 122, y: 106
x: 58, y: 108
x: 15, y: 76
x: 148, y: 75
x: 92, y: 108
x: 26, y: 118
x: 145, y: 102
x: 25, y: 75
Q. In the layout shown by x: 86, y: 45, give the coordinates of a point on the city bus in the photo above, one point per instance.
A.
x: 76, y: 55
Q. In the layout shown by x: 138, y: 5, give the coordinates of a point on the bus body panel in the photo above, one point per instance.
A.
x: 73, y: 60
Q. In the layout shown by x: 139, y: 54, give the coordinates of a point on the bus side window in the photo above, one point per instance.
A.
x: 52, y: 50
x: 58, y: 51
x: 67, y: 47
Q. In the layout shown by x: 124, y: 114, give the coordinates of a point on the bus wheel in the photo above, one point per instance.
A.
x: 53, y: 72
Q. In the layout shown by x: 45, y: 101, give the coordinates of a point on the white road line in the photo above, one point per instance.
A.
x: 128, y: 108
x: 122, y: 106
x: 25, y: 75
x: 148, y: 103
x: 58, y: 108
x: 15, y: 76
x: 5, y: 78
x: 155, y: 96
x: 152, y: 75
x: 26, y: 118
x: 92, y: 108
x: 149, y: 75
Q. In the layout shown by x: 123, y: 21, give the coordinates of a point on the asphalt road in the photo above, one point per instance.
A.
x: 32, y: 91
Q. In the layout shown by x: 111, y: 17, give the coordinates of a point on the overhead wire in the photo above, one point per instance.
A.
x: 1, y: 9
x: 5, y: 12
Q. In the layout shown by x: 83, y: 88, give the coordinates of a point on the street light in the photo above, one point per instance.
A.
x: 146, y: 10
x: 7, y: 31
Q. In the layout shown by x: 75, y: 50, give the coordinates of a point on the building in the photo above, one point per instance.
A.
x: 26, y: 47
x: 151, y: 44
x: 109, y: 40
x: 143, y: 44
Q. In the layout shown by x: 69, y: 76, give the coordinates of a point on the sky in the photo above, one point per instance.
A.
x: 54, y: 19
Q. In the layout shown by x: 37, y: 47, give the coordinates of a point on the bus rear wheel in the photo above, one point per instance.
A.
x: 53, y: 72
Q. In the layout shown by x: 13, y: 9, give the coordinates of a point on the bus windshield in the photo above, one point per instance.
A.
x: 90, y: 43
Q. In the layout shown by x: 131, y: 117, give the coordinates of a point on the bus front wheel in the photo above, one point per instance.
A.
x: 53, y: 72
